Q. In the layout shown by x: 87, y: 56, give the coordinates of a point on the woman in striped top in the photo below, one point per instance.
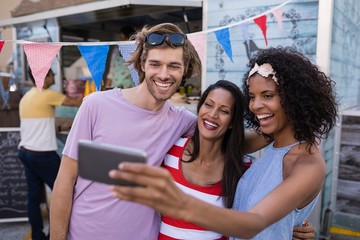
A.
x: 207, y: 165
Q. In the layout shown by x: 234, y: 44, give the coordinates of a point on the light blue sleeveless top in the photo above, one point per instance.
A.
x: 260, y: 179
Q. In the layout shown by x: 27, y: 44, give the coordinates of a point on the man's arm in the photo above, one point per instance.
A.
x: 305, y: 231
x: 68, y: 101
x: 62, y: 196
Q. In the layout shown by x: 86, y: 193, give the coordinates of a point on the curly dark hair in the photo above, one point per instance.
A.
x: 191, y: 58
x: 233, y: 142
x: 307, y: 94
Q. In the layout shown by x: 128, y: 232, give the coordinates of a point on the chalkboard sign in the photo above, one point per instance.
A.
x: 13, y: 192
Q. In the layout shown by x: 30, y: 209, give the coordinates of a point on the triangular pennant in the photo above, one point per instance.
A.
x: 95, y: 58
x: 40, y: 56
x: 278, y: 15
x: 126, y: 51
x: 2, y: 42
x: 223, y: 37
x: 198, y: 43
x: 261, y: 22
x: 244, y: 28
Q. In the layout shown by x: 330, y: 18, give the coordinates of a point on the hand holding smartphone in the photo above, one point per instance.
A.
x: 96, y: 160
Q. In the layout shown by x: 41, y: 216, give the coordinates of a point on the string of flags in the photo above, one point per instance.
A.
x: 41, y: 55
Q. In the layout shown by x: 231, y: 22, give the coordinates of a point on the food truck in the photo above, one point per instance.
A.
x: 326, y: 31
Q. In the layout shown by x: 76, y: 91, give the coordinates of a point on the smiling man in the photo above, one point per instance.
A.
x: 139, y: 117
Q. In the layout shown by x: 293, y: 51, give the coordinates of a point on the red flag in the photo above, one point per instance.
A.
x: 2, y: 42
x: 40, y: 57
x: 261, y: 22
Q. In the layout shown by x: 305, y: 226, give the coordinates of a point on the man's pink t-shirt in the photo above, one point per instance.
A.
x: 108, y: 118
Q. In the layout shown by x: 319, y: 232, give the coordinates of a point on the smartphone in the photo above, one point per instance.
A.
x: 95, y: 160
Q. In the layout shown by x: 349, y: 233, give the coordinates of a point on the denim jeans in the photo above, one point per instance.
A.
x: 40, y: 168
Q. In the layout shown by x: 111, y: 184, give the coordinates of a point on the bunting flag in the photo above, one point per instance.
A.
x: 2, y: 42
x: 244, y: 28
x: 261, y: 22
x: 278, y: 15
x: 95, y: 58
x: 126, y: 50
x: 40, y: 57
x: 223, y: 37
x: 198, y: 41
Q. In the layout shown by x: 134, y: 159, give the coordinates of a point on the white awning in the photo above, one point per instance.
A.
x: 93, y: 6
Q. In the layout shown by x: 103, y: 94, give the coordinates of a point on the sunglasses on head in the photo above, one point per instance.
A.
x: 175, y: 39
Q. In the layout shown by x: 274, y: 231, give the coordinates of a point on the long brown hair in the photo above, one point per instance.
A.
x: 233, y: 142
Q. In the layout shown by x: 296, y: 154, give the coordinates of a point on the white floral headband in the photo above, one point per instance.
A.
x: 264, y: 70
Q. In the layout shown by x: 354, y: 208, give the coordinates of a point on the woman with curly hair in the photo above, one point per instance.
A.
x: 292, y: 103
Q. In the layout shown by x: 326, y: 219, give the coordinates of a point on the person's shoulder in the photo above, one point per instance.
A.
x: 175, y: 108
x: 30, y: 91
x: 99, y: 95
x: 179, y: 109
x: 310, y: 159
x: 182, y: 112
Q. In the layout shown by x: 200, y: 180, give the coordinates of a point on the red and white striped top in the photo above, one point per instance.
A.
x: 176, y: 229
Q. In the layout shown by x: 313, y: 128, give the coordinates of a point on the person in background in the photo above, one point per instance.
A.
x: 293, y: 111
x: 119, y: 74
x: 37, y: 147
